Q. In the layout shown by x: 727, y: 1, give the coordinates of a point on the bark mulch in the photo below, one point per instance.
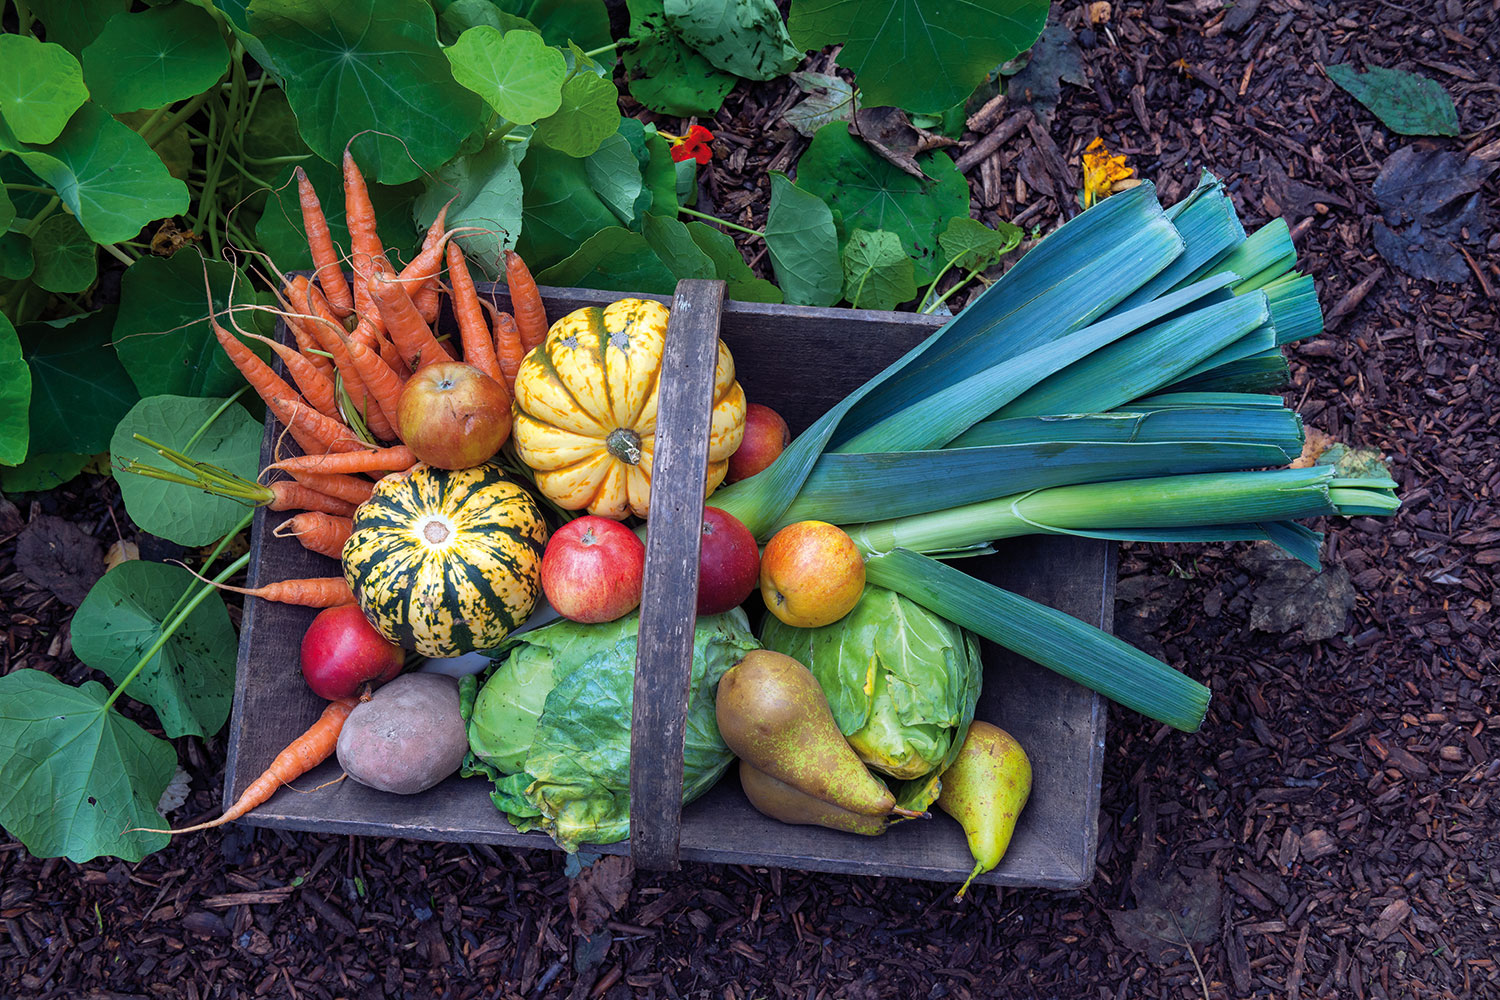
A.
x: 1333, y: 831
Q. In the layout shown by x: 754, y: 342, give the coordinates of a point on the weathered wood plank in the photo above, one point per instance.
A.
x: 669, y: 597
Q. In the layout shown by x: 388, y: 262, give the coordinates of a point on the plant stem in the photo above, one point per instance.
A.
x: 182, y: 114
x: 118, y: 254
x: 591, y: 53
x: 212, y: 417
x: 41, y: 217
x: 38, y: 188
x: 223, y: 543
x: 714, y: 218
x: 171, y: 627
x: 932, y: 306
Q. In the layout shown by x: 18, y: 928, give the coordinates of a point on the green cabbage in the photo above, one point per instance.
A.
x: 902, y: 682
x: 550, y: 726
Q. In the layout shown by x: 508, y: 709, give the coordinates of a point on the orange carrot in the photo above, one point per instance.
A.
x: 364, y: 240
x: 322, y: 533
x: 479, y: 346
x: 338, y: 485
x: 302, y: 755
x: 330, y: 269
x: 420, y: 275
x: 408, y: 331
x: 526, y: 301
x: 397, y: 458
x: 508, y: 349
x: 310, y: 380
x: 312, y: 592
x: 392, y: 358
x: 383, y: 387
x: 288, y: 494
x: 329, y: 333
x: 312, y: 431
x: 307, y: 344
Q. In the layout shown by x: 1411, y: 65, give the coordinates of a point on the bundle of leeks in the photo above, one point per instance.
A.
x: 1111, y: 384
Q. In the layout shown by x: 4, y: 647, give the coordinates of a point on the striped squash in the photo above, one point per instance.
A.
x: 446, y: 561
x: 585, y: 409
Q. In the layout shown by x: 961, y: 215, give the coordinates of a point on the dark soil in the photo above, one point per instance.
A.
x: 1334, y: 829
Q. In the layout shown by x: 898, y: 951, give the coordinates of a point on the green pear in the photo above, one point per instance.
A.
x: 985, y: 789
x: 779, y: 800
x: 773, y: 713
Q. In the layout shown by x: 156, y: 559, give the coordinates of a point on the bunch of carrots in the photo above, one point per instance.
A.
x: 358, y: 341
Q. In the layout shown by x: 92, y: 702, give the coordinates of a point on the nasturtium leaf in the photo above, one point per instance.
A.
x: 461, y: 15
x: 15, y: 397
x: 666, y: 74
x: 614, y: 174
x: 804, y: 245
x: 970, y: 244
x: 590, y: 113
x: 676, y: 247
x: 155, y: 57
x: 868, y: 192
x: 73, y: 24
x: 74, y: 773
x: 1405, y: 102
x: 487, y: 186
x: 79, y: 390
x: 106, y: 175
x: 373, y: 72
x: 7, y: 210
x: 175, y: 148
x: 270, y: 134
x: 686, y: 172
x: 237, y: 13
x: 66, y: 259
x: 162, y: 334
x: 614, y: 259
x: 190, y: 679
x: 16, y: 260
x: 582, y: 22
x: 42, y: 471
x: 41, y: 85
x: 560, y: 210
x: 743, y: 37
x: 921, y: 55
x: 877, y: 272
x: 279, y: 230
x: 829, y: 99
x: 741, y: 283
x: 516, y: 73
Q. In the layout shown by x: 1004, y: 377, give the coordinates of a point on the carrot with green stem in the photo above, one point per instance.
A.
x: 474, y: 332
x: 282, y: 495
x: 303, y: 754
x: 322, y: 533
x: 406, y: 328
x: 525, y: 301
x: 396, y: 458
x: 330, y: 267
x: 315, y: 386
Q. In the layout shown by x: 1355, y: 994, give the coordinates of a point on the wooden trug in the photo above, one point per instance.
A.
x: 799, y: 360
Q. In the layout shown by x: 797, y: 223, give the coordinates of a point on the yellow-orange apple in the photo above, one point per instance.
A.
x: 453, y: 415
x: 811, y: 574
x: 766, y: 437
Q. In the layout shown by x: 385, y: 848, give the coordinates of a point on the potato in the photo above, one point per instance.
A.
x: 408, y: 737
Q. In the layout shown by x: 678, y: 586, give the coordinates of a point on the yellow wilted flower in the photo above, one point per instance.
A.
x: 1101, y: 172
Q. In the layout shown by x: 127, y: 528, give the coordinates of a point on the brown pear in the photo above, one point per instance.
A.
x: 779, y: 800
x: 773, y: 714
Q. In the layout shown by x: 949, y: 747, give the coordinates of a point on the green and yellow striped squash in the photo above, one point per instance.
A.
x: 585, y: 409
x: 446, y: 561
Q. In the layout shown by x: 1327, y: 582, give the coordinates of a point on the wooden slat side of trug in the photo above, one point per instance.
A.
x: 669, y: 597
x: 800, y: 361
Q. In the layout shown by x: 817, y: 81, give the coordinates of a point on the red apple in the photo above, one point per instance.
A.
x: 592, y: 570
x: 728, y: 562
x: 342, y: 652
x: 766, y: 437
x: 812, y: 574
x: 453, y: 415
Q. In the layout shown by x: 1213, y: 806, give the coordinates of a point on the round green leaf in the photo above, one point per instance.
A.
x: 922, y: 55
x: 877, y: 272
x: 369, y: 75
x: 582, y: 22
x: 614, y: 173
x: 971, y: 244
x: 590, y: 113
x: 42, y: 472
x: 560, y: 209
x: 674, y: 244
x: 16, y: 261
x: 488, y: 189
x: 7, y: 210
x: 15, y: 397
x: 107, y: 175
x: 180, y: 513
x: 666, y: 74
x: 66, y: 259
x: 515, y: 72
x: 868, y: 192
x: 162, y: 334
x: 743, y: 37
x: 614, y: 259
x: 79, y: 390
x: 41, y: 85
x: 75, y: 774
x: 155, y: 57
x: 742, y: 284
x: 804, y: 245
x: 279, y: 230
x: 190, y: 679
x: 73, y: 24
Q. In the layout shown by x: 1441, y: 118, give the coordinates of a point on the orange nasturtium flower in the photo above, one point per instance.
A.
x: 693, y: 146
x: 1101, y: 172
